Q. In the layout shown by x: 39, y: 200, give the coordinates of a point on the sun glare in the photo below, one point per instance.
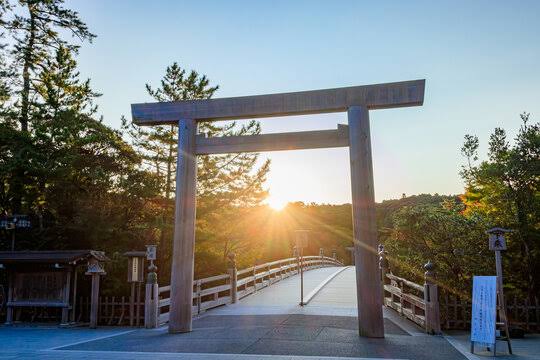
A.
x: 276, y: 203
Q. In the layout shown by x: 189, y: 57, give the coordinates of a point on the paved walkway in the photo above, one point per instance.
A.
x: 267, y: 325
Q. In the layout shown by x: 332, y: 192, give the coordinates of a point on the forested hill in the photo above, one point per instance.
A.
x: 387, y: 208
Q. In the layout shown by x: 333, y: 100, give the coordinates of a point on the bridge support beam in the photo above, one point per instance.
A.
x: 368, y: 284
x: 184, y: 230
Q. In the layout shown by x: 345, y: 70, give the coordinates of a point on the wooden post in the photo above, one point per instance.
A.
x: 233, y: 277
x: 138, y: 305
x: 74, y: 307
x: 94, y: 305
x: 368, y: 283
x: 151, y: 300
x: 67, y: 287
x: 199, y: 299
x: 184, y: 229
x: 431, y: 298
x: 9, y: 308
x: 95, y: 270
x: 383, y: 266
x: 132, y: 305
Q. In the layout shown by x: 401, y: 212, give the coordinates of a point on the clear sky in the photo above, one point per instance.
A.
x: 480, y: 59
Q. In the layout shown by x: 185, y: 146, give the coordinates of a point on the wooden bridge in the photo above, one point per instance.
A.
x: 215, y: 291
x: 330, y: 289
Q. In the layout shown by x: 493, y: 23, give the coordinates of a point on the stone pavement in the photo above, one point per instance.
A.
x: 527, y: 348
x: 290, y: 335
x: 267, y: 325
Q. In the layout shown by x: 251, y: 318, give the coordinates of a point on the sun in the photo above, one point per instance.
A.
x: 276, y: 203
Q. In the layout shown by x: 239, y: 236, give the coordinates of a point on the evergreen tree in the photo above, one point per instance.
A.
x: 59, y: 88
x: 506, y: 188
x: 223, y: 181
x: 36, y: 26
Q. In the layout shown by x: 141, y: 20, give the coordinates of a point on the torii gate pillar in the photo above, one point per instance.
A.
x: 184, y: 229
x: 368, y: 284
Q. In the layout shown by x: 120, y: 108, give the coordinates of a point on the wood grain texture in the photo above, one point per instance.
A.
x: 184, y: 230
x: 273, y: 142
x: 368, y: 281
x: 378, y: 96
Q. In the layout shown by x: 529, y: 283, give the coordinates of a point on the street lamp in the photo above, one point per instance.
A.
x: 14, y: 222
x: 302, y: 237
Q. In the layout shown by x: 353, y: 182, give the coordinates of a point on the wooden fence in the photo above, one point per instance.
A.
x: 112, y: 310
x: 456, y: 313
x: 424, y: 306
x: 224, y: 289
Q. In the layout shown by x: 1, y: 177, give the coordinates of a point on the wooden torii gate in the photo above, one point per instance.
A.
x: 356, y: 100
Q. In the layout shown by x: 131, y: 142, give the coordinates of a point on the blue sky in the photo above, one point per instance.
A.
x: 480, y: 59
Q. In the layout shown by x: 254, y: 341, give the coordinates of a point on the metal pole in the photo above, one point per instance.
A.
x: 301, y: 276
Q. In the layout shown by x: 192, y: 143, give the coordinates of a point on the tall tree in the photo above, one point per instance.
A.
x: 506, y: 187
x: 224, y: 181
x: 37, y: 26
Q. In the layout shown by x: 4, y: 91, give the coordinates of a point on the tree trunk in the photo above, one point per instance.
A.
x: 169, y: 167
x: 27, y: 65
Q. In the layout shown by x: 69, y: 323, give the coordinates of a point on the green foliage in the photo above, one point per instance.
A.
x: 506, y: 189
x: 500, y: 191
x: 36, y: 27
x: 456, y: 244
x: 224, y: 182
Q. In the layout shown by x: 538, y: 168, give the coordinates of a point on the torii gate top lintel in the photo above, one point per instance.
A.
x: 376, y: 96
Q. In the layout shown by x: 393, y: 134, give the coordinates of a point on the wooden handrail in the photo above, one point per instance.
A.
x: 258, y: 276
x: 418, y: 303
x: 405, y: 282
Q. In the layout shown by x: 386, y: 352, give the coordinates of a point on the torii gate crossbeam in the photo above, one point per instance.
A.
x: 357, y: 101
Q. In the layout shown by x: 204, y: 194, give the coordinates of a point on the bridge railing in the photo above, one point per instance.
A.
x: 418, y: 303
x: 227, y: 288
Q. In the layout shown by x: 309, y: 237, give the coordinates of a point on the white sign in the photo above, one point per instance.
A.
x: 484, y: 309
x: 135, y: 269
x: 150, y: 252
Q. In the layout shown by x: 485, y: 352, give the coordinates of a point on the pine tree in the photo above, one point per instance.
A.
x: 36, y: 27
x: 224, y: 182
x: 228, y: 177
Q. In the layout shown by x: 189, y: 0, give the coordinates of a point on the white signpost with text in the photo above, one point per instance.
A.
x: 484, y: 310
x: 488, y: 299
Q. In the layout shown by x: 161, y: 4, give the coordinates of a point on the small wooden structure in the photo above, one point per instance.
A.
x: 135, y: 278
x: 46, y: 279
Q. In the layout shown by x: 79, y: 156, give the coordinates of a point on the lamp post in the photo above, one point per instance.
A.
x: 151, y: 301
x: 302, y: 237
x: 14, y: 222
x: 95, y: 270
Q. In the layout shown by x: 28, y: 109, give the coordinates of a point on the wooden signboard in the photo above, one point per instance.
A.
x: 484, y: 310
x: 39, y: 287
x: 135, y: 269
x: 497, y: 242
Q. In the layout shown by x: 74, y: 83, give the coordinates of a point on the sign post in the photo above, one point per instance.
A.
x: 302, y: 237
x: 497, y: 243
x: 484, y: 310
x: 488, y: 299
x: 135, y: 278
